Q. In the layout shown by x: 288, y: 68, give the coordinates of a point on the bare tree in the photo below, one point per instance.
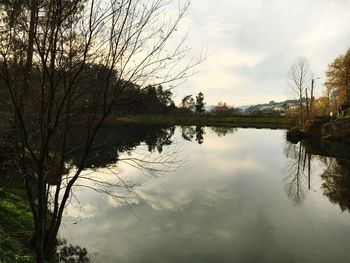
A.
x: 66, y: 65
x: 299, y: 80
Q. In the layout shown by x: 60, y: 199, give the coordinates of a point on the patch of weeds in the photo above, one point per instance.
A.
x: 11, y: 250
x: 16, y: 225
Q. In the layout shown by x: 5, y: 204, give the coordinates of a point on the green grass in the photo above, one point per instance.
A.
x: 16, y: 224
x: 203, y: 120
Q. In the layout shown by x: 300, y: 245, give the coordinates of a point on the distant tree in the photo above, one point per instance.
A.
x: 148, y: 100
x: 299, y: 80
x: 154, y: 100
x: 164, y: 96
x: 338, y: 80
x: 188, y: 103
x: 200, y: 103
x: 223, y: 109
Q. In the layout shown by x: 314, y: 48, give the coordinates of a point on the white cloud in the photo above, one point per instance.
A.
x: 251, y: 44
x: 81, y: 211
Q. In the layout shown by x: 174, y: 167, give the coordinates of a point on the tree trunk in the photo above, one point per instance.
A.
x: 307, y: 103
x: 312, y: 95
x: 301, y: 111
x: 30, y: 48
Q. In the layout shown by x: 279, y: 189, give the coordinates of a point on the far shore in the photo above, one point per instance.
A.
x: 243, y: 121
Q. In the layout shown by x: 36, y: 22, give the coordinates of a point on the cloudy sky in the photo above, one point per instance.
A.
x: 252, y: 43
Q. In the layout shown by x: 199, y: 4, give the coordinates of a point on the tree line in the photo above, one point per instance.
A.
x: 335, y: 102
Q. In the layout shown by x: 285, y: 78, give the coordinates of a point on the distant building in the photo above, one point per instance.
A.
x: 294, y: 107
x: 278, y: 108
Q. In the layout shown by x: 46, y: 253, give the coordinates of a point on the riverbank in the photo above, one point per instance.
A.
x: 16, y: 224
x: 329, y: 129
x: 244, y: 121
x: 323, y: 130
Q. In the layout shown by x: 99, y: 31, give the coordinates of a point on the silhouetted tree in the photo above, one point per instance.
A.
x: 223, y: 109
x: 187, y: 103
x: 200, y: 103
x: 47, y: 49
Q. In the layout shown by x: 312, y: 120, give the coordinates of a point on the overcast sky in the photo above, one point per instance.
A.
x: 252, y: 44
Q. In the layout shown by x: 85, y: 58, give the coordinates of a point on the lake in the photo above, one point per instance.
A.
x: 195, y: 194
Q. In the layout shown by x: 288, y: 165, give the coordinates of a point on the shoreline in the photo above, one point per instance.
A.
x: 244, y: 121
x: 323, y: 129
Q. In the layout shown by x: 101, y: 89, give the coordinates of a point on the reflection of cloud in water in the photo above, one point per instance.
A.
x: 217, y: 145
x: 224, y: 166
x: 155, y: 198
x: 211, y: 196
x: 175, y: 199
x: 182, y: 197
x: 81, y: 211
x: 221, y: 206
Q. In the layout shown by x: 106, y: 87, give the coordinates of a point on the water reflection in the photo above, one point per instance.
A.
x: 198, y: 132
x: 227, y: 203
x: 335, y: 175
x: 190, y: 132
x: 299, y: 168
x: 223, y: 131
x: 112, y: 140
x: 71, y: 254
x: 294, y: 181
x: 124, y: 139
x: 301, y: 157
x: 336, y: 183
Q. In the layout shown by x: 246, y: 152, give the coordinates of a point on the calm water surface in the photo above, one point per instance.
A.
x: 241, y: 195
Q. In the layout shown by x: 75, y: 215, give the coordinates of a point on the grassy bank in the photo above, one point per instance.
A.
x: 16, y: 224
x: 204, y: 120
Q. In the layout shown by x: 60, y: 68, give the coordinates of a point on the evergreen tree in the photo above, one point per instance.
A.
x: 200, y: 103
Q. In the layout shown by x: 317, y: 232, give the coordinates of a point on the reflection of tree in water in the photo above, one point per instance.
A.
x: 71, y: 254
x: 223, y: 131
x: 200, y: 131
x: 190, y: 132
x: 116, y: 139
x: 295, y: 181
x: 117, y: 144
x: 160, y: 138
x: 336, y: 184
x: 336, y: 176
